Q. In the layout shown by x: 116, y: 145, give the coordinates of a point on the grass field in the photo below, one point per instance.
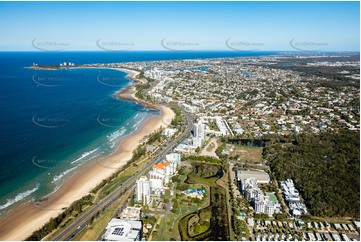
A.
x: 248, y: 153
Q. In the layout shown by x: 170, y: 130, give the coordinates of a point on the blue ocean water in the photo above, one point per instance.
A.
x: 52, y: 122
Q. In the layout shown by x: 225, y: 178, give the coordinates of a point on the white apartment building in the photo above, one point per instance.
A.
x: 198, y: 133
x: 156, y: 183
x: 163, y: 171
x: 143, y: 190
x: 158, y: 178
x: 199, y: 130
x: 197, y: 142
x: 292, y: 197
x: 261, y: 202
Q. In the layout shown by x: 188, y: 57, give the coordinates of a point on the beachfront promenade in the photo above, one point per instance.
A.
x: 78, y: 225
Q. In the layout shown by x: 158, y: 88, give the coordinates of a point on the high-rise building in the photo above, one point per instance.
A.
x: 163, y: 171
x: 199, y: 134
x: 262, y: 203
x: 199, y: 130
x: 195, y: 130
x: 259, y: 205
x: 143, y: 190
x: 197, y: 142
x: 270, y: 208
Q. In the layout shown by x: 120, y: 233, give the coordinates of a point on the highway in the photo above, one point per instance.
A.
x: 80, y: 223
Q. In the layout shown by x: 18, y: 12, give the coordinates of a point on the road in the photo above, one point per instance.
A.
x: 79, y: 224
x: 118, y: 211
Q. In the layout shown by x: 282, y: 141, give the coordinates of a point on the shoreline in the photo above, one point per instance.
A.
x: 23, y: 220
x: 128, y: 93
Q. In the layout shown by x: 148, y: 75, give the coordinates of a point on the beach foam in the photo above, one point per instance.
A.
x: 116, y: 134
x: 139, y: 121
x: 84, y: 155
x: 18, y: 197
x: 57, y: 178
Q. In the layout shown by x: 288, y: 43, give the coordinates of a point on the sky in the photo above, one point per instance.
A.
x: 122, y: 26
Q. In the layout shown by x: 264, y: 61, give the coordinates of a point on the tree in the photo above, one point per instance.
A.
x: 175, y: 179
x: 325, y: 169
x: 152, y: 220
x: 261, y: 216
x: 155, y: 234
x: 280, y: 216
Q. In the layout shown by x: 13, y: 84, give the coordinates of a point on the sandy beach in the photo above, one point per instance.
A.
x: 25, y: 219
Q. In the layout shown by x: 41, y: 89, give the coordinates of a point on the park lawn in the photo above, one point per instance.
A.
x: 200, y: 229
x: 208, y: 181
x: 168, y: 226
x: 194, y: 178
x: 166, y: 231
x: 194, y: 227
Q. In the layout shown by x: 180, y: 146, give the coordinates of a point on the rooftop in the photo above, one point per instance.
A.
x: 122, y: 230
x: 131, y: 213
x: 162, y: 165
x: 260, y: 176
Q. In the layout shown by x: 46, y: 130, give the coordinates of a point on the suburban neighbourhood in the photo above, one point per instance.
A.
x: 237, y: 120
x: 235, y: 104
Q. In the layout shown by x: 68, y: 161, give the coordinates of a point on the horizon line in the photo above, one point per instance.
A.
x: 184, y: 51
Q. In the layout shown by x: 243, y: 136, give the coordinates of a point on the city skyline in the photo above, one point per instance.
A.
x: 196, y: 26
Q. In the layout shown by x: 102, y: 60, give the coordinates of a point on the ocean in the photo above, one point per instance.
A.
x: 54, y: 121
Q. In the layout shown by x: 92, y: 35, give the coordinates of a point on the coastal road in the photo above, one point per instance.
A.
x: 79, y: 224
